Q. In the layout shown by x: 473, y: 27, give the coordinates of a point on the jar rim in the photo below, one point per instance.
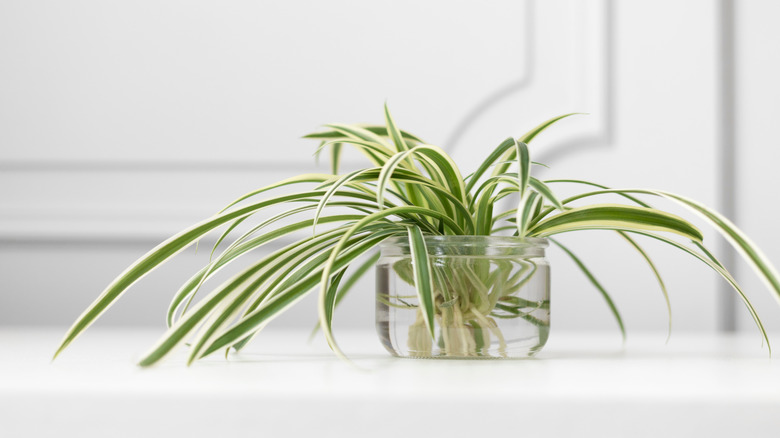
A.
x: 469, y: 240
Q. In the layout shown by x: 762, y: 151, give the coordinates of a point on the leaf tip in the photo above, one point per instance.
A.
x: 63, y: 345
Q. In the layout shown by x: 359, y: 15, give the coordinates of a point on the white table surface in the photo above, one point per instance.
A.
x: 583, y: 384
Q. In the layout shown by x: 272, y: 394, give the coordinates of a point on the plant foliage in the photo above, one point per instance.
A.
x: 410, y: 189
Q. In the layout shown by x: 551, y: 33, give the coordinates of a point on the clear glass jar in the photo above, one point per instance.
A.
x: 492, y: 298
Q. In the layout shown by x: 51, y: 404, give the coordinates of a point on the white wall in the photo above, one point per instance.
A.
x: 121, y: 123
x: 757, y: 106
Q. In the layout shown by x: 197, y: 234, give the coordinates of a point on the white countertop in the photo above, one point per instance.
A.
x: 587, y: 384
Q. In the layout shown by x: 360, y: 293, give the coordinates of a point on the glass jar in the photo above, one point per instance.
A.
x: 492, y: 298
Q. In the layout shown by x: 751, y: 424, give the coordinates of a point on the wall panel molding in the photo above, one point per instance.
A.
x: 85, y: 197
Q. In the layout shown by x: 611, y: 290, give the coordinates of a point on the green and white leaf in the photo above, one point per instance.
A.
x: 411, y: 189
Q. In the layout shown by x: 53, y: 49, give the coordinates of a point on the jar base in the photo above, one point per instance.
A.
x: 523, y: 348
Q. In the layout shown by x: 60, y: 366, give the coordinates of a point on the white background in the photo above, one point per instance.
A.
x: 122, y: 122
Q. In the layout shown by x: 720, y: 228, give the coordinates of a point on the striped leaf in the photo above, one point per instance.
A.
x: 412, y: 189
x: 394, y: 133
x: 374, y: 129
x: 709, y: 260
x: 387, y: 172
x: 524, y: 165
x: 349, y: 283
x: 288, y: 297
x: 528, y: 204
x: 422, y: 275
x: 615, y: 217
x: 611, y: 303
x: 657, y: 275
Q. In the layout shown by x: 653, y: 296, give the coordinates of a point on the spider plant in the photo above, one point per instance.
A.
x: 409, y: 190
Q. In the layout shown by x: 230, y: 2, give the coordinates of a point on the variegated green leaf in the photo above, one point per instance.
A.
x: 615, y: 217
x: 524, y: 165
x: 657, y: 275
x: 611, y: 303
x: 414, y: 190
x: 709, y: 260
x: 394, y: 132
x: 374, y: 129
x: 422, y: 275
